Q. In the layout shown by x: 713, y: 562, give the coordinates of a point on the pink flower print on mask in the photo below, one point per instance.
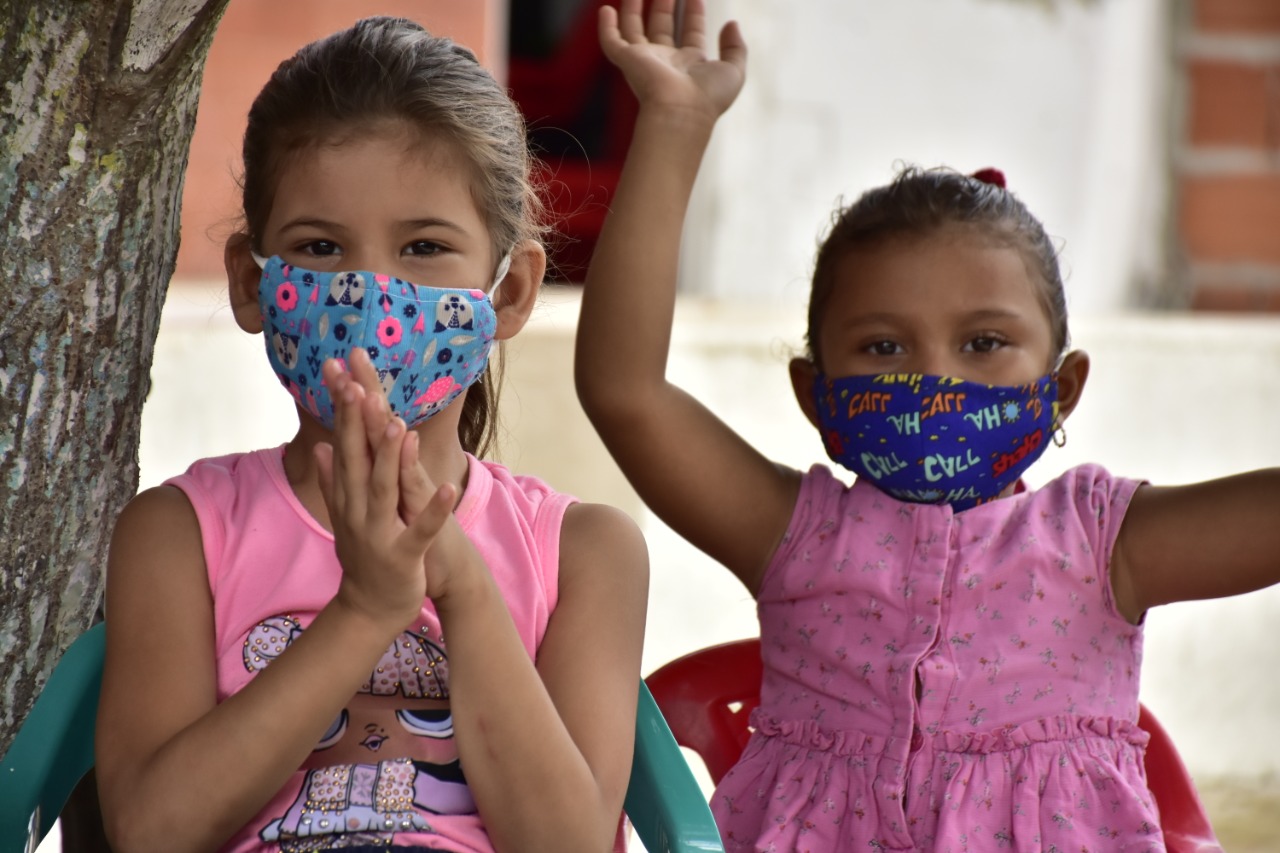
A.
x: 287, y: 296
x: 436, y: 391
x: 389, y: 331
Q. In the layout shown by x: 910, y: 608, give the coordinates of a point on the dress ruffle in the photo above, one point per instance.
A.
x: 801, y: 787
x: 1048, y: 730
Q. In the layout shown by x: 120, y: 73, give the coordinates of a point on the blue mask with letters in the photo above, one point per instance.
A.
x: 936, y: 439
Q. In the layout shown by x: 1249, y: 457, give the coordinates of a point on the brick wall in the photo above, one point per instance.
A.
x: 1227, y: 167
x: 253, y: 37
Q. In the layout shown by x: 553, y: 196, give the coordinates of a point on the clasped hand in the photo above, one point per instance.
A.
x: 386, y: 513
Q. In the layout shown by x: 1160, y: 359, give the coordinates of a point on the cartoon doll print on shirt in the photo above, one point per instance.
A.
x: 388, y: 759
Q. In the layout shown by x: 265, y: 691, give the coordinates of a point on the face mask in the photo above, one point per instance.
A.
x: 428, y: 344
x: 934, y: 439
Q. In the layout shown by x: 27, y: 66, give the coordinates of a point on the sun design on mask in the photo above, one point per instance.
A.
x: 1011, y: 411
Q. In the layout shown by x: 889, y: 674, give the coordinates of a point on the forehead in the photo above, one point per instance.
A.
x: 947, y: 272
x: 389, y: 165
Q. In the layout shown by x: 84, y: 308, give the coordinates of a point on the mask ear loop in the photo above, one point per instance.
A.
x: 258, y: 259
x: 504, y: 267
x: 1059, y: 430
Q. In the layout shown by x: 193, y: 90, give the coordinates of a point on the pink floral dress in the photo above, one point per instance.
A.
x: 941, y: 681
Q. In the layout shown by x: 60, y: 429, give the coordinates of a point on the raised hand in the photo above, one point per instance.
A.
x: 663, y: 72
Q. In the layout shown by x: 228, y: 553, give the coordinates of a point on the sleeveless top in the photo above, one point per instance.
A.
x: 942, y: 681
x: 272, y: 567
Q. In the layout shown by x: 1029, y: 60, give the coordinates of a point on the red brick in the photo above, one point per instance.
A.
x: 1233, y: 104
x: 1231, y: 218
x: 1235, y: 298
x: 1237, y: 16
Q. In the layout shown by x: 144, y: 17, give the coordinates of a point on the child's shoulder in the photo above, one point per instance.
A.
x: 218, y: 481
x: 494, y: 492
x: 232, y: 467
x: 1088, y: 482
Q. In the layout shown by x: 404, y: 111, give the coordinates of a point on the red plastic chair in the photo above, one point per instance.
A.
x: 707, y: 697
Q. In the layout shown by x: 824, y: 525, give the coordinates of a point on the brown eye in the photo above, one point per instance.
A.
x: 984, y: 343
x: 321, y: 248
x: 884, y: 348
x: 424, y: 248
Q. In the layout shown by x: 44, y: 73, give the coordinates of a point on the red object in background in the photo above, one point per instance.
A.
x: 707, y: 697
x: 580, y: 113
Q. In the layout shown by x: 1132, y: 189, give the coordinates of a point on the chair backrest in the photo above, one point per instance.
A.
x: 664, y: 801
x: 707, y: 697
x: 53, y: 750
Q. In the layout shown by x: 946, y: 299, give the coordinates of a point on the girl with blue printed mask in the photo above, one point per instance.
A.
x: 950, y: 659
x: 370, y: 637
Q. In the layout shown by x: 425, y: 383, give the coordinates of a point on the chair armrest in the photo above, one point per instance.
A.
x: 664, y: 801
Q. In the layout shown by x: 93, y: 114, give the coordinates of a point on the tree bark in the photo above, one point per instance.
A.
x: 97, y: 107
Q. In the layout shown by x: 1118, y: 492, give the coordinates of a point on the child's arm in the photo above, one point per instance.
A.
x: 176, y: 770
x: 1205, y: 540
x: 698, y: 475
x: 547, y: 748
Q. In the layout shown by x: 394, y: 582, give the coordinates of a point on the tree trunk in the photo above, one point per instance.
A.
x: 97, y: 107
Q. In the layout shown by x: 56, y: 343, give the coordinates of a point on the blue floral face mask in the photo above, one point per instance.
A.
x: 428, y: 344
x: 936, y: 439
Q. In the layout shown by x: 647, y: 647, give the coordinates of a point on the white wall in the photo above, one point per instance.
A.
x: 1067, y: 97
x: 1172, y: 399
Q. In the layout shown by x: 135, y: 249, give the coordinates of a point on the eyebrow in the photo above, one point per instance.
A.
x: 993, y: 314
x: 408, y: 224
x: 978, y: 314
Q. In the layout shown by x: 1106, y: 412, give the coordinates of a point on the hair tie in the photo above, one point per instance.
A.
x: 990, y: 176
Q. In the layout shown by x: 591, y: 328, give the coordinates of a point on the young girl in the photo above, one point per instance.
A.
x: 950, y: 660
x: 367, y: 638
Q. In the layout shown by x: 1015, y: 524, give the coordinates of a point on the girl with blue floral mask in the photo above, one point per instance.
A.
x: 370, y: 637
x: 951, y: 659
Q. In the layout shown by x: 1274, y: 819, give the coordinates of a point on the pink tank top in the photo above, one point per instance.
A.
x: 272, y: 567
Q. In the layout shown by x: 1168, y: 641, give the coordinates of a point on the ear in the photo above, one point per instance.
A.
x: 243, y: 277
x: 1071, y: 378
x: 518, y: 291
x: 803, y: 373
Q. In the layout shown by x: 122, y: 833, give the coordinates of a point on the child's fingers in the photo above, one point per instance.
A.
x: 662, y: 22
x: 375, y: 414
x: 376, y: 411
x: 693, y: 25
x: 426, y: 525
x: 351, y: 450
x: 733, y: 47
x: 384, y: 481
x: 630, y: 21
x: 416, y: 487
x: 364, y: 373
x: 336, y: 378
x: 333, y: 497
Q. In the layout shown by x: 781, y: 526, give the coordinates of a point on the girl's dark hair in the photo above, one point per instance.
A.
x: 391, y: 69
x: 921, y: 201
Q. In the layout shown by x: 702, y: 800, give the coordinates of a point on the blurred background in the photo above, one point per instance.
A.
x: 1144, y: 133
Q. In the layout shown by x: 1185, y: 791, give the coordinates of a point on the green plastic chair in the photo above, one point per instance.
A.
x: 54, y: 750
x: 664, y: 801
